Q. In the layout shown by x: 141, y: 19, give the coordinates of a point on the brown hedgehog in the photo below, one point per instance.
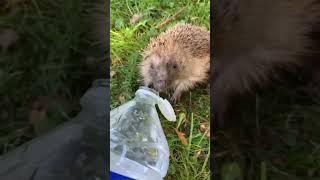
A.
x: 256, y: 40
x: 177, y: 60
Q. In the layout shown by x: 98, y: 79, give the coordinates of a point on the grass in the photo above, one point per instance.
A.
x: 51, y: 65
x: 127, y: 42
x: 47, y: 67
x: 281, y: 139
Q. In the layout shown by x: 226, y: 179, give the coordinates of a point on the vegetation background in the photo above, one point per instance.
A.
x: 48, y: 59
x: 132, y: 24
x: 280, y: 136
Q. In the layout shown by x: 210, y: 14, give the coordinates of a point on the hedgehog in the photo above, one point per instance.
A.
x: 255, y: 42
x: 177, y: 60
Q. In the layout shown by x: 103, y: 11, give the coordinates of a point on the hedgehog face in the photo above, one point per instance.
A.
x: 161, y: 71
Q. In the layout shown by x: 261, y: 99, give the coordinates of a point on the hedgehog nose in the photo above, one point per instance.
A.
x: 161, y: 84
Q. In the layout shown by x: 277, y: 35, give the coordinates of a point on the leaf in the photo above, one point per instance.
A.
x: 90, y: 60
x: 41, y: 118
x: 263, y: 175
x: 36, y: 116
x: 39, y: 111
x: 207, y: 134
x: 119, y: 23
x: 135, y: 18
x: 205, y: 128
x: 181, y: 135
x: 121, y: 98
x: 171, y: 4
x: 231, y: 171
x: 201, y: 156
x: 7, y: 38
x: 112, y: 73
x: 182, y: 117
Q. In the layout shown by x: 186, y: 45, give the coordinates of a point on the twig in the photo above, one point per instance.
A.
x: 220, y: 154
x: 283, y: 172
x: 257, y: 116
x: 167, y: 21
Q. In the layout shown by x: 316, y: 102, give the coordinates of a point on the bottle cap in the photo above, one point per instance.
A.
x: 164, y: 105
x: 167, y: 110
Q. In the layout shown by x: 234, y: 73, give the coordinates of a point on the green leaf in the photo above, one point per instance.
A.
x: 263, y: 175
x: 119, y: 23
x: 231, y: 171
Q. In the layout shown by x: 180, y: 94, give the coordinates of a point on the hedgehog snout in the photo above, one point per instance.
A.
x: 159, y: 85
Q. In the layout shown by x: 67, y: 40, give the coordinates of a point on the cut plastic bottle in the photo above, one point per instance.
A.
x: 138, y: 146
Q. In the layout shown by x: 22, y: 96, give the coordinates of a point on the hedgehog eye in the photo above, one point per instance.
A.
x: 151, y: 66
x: 175, y: 66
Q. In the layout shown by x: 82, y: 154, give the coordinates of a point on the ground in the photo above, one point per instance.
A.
x: 53, y: 63
x: 45, y: 66
x: 280, y: 136
x: 131, y: 26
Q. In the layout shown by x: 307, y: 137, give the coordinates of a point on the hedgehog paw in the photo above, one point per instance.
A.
x: 175, y: 98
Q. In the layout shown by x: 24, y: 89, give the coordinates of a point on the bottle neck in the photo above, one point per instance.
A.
x: 145, y: 100
x: 149, y: 89
x: 147, y: 96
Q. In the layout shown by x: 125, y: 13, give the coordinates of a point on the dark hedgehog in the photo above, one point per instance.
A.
x: 254, y: 41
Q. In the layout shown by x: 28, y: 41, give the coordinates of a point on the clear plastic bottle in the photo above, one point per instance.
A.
x: 138, y: 146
